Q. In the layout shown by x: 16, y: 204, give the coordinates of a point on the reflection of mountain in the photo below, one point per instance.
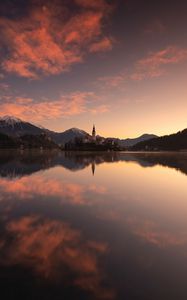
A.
x: 17, y: 164
x: 177, y: 161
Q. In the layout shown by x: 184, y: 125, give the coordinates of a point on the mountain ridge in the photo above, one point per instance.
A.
x: 173, y: 142
x: 15, y: 127
x: 131, y: 142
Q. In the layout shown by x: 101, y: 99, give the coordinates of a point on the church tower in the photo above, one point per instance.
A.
x: 94, y: 133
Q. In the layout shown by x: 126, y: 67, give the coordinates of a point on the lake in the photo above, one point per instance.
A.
x: 93, y: 225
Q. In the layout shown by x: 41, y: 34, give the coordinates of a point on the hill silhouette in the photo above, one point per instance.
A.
x: 173, y: 142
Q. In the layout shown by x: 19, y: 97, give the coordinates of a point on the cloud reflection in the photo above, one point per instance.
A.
x: 53, y: 250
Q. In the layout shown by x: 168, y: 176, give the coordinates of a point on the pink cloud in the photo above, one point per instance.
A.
x: 112, y: 81
x: 66, y: 106
x: 154, y: 64
x: 48, y: 42
x: 47, y: 109
x: 99, y: 109
x: 104, y: 45
x: 4, y: 86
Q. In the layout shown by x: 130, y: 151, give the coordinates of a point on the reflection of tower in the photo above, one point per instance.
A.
x: 93, y: 133
x: 93, y: 167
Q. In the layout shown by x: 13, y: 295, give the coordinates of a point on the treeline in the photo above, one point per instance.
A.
x: 173, y: 142
x: 26, y: 142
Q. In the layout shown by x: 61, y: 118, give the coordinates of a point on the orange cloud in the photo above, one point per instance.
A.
x: 113, y: 81
x: 100, y: 109
x: 153, y: 65
x: 48, y: 42
x: 70, y: 105
x: 101, y: 46
x: 27, y: 108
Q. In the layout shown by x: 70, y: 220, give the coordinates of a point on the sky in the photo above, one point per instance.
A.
x: 118, y: 64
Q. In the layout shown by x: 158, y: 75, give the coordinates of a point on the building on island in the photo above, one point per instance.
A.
x: 92, y: 142
x: 94, y: 133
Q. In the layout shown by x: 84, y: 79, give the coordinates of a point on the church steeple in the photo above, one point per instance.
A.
x: 93, y: 132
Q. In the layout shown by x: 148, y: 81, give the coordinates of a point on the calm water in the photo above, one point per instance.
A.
x: 93, y: 226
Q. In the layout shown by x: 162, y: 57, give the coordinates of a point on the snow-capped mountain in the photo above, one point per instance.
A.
x: 8, y: 120
x: 15, y: 127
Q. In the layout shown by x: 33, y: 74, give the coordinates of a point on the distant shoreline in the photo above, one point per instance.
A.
x: 92, y: 151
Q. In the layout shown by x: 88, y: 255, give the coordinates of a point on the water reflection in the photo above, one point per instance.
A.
x: 120, y: 234
x: 53, y: 250
x: 17, y: 164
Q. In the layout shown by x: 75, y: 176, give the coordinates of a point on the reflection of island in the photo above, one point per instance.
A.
x: 17, y: 164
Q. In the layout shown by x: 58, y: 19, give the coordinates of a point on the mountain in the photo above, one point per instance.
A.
x: 173, y: 142
x: 16, y: 127
x: 131, y: 142
x: 10, y: 120
x: 66, y: 136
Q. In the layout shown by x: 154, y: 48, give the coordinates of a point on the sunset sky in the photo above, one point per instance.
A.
x: 119, y: 64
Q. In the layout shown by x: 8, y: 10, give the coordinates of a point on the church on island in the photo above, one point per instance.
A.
x: 92, y: 142
x: 93, y: 133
